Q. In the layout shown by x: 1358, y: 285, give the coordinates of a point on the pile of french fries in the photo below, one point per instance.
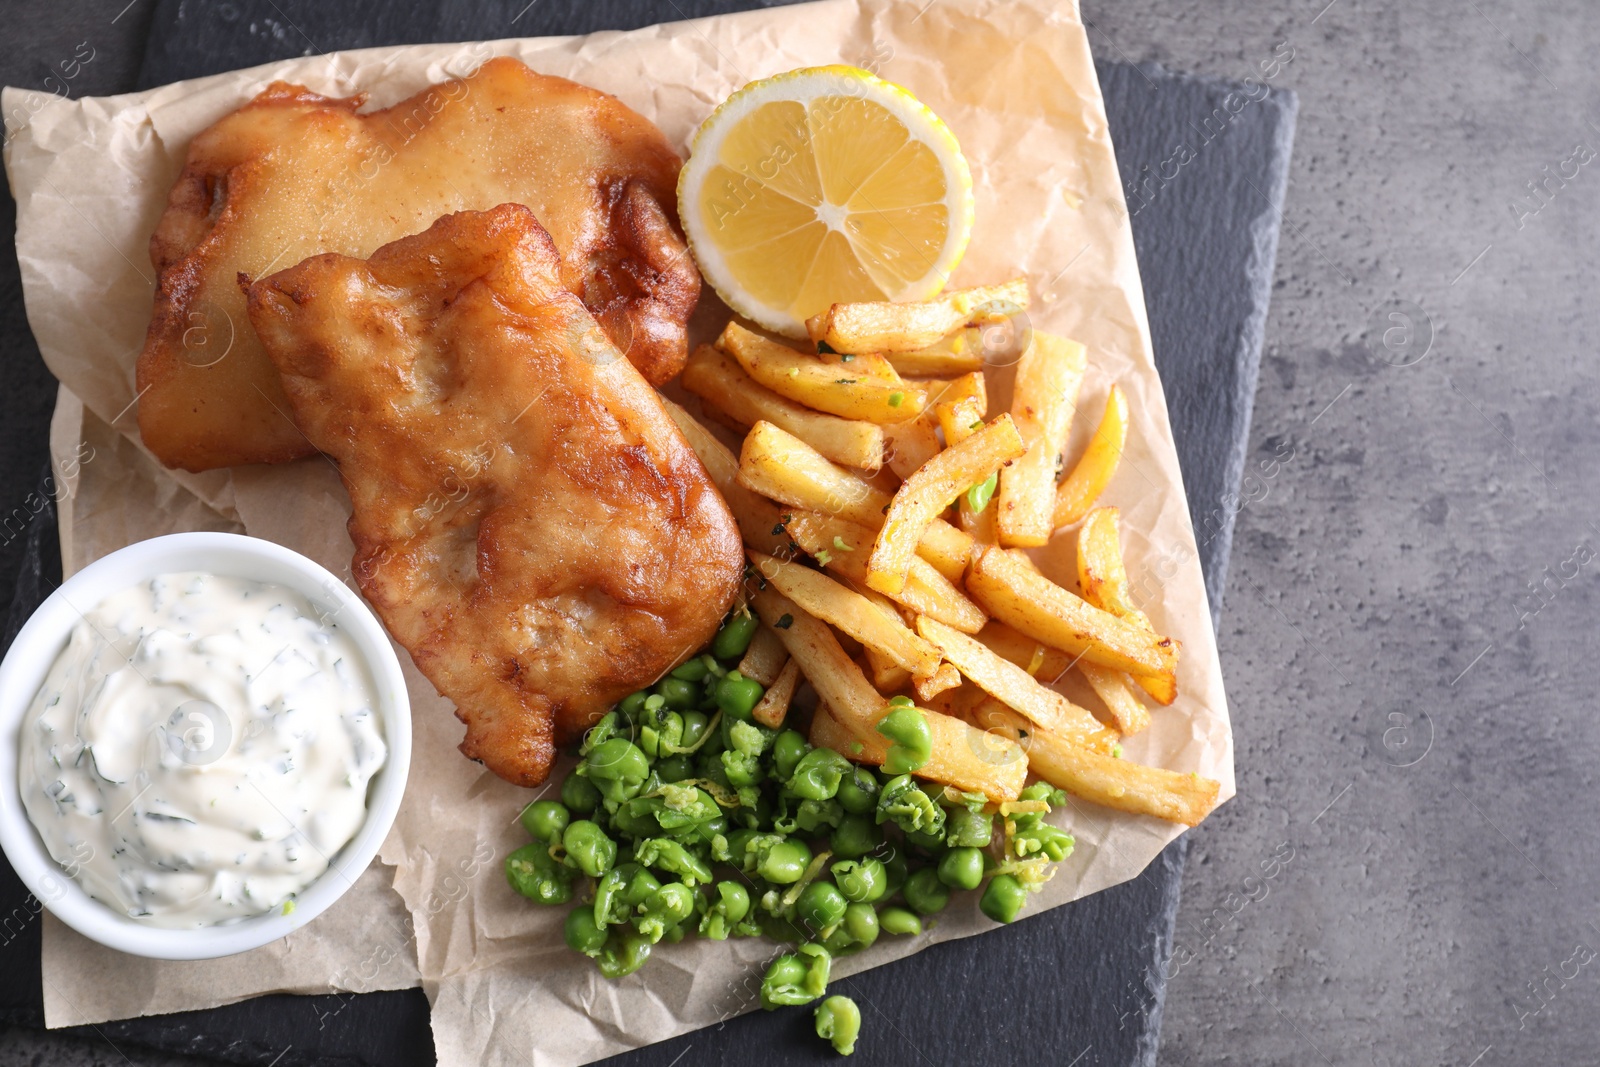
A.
x: 883, y: 509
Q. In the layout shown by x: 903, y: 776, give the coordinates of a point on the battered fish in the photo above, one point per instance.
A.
x: 528, y: 520
x: 292, y: 174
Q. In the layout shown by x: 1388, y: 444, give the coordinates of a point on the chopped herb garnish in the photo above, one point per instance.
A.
x: 824, y: 557
x: 896, y: 399
x: 852, y: 381
x: 783, y: 524
x: 838, y: 542
x: 784, y: 622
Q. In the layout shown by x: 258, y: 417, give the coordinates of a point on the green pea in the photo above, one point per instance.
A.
x: 675, y: 768
x: 661, y: 733
x: 695, y: 724
x: 625, y: 952
x: 858, y: 790
x: 665, y: 854
x: 925, y: 893
x: 893, y: 920
x: 965, y: 828
x: 632, y: 704
x: 740, y: 769
x: 617, y: 768
x: 820, y: 905
x: 731, y: 905
x: 637, y: 817
x: 665, y: 907
x: 737, y: 695
x: 610, y: 907
x: 693, y: 671
x: 784, y: 982
x: 640, y: 886
x: 579, y: 795
x: 838, y: 1021
x: 1052, y: 842
x: 818, y: 774
x: 588, y: 847
x: 733, y: 640
x: 583, y: 933
x: 533, y: 873
x: 932, y: 843
x: 856, y: 836
x: 787, y: 751
x: 911, y: 742
x: 898, y: 870
x: 815, y: 817
x: 784, y: 861
x: 609, y: 725
x: 861, y: 922
x: 903, y: 802
x: 856, y: 931
x: 545, y: 819
x: 961, y: 868
x: 1003, y: 899
x: 734, y: 847
x: 678, y: 694
x: 862, y: 880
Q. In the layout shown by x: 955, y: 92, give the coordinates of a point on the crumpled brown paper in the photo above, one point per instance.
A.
x: 1015, y: 83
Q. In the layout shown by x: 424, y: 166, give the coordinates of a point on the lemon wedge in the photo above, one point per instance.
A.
x: 823, y: 185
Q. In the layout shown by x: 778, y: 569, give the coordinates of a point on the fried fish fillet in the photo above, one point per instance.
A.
x: 528, y: 520
x: 292, y: 174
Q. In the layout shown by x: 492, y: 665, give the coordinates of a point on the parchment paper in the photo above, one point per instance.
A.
x: 1014, y: 81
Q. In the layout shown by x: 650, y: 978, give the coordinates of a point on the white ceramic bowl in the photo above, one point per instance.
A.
x: 41, y: 641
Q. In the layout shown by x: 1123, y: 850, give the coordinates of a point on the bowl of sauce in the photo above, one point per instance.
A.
x: 204, y: 739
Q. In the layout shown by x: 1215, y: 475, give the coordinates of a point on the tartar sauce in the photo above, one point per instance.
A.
x: 201, y: 749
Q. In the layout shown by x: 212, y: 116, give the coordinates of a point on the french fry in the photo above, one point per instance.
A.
x: 773, y: 707
x: 910, y: 444
x: 764, y: 660
x: 961, y: 407
x: 1101, y: 575
x: 828, y: 732
x: 757, y: 517
x: 1019, y: 596
x: 881, y: 326
x: 842, y: 546
x: 1128, y: 713
x: 1105, y: 780
x: 1043, y: 400
x: 871, y: 364
x: 946, y: 677
x: 959, y: 353
x: 887, y: 675
x: 1039, y: 660
x: 781, y: 466
x: 1093, y: 471
x: 805, y: 379
x: 1104, y: 582
x: 1016, y: 688
x: 929, y: 491
x: 851, y: 612
x: 723, y: 385
x: 962, y: 756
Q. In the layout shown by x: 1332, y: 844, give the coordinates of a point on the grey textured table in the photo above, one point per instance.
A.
x: 1384, y: 568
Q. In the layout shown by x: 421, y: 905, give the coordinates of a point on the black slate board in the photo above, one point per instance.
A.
x: 1081, y: 984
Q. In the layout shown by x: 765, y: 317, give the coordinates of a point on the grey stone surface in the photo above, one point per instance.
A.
x: 1379, y: 608
x: 1400, y: 591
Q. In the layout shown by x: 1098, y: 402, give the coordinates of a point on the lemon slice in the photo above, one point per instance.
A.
x: 823, y: 185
